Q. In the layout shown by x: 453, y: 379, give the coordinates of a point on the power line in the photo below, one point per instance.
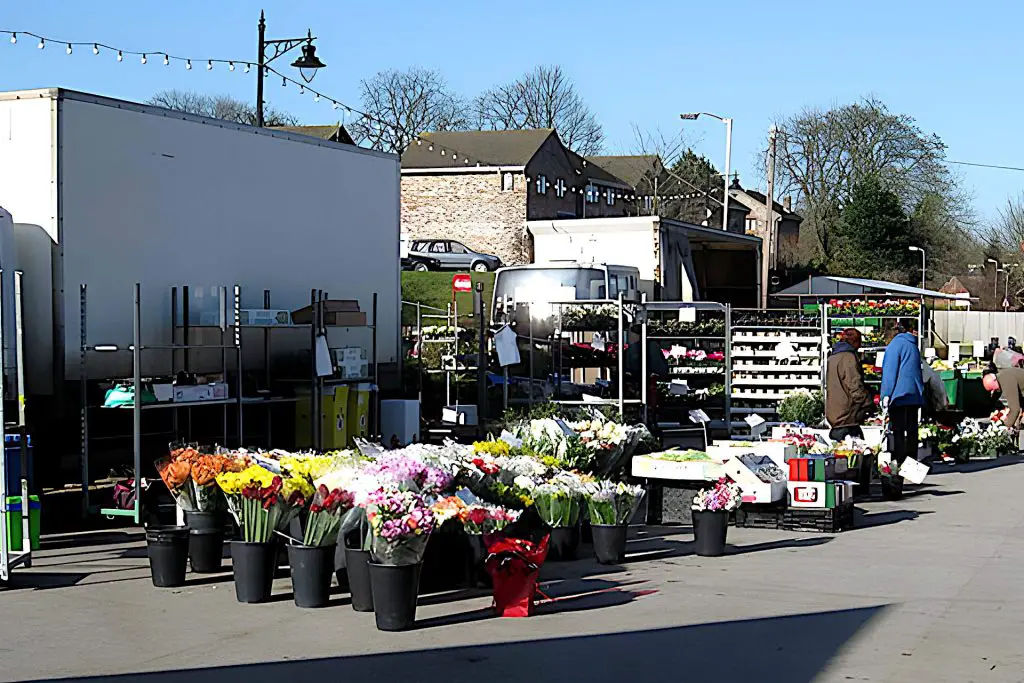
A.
x: 971, y: 163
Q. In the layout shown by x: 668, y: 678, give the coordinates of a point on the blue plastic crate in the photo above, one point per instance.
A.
x: 12, y: 458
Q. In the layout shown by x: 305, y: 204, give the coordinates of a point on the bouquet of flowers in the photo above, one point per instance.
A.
x: 324, y: 519
x: 928, y: 433
x: 476, y: 518
x: 725, y: 496
x: 556, y: 505
x: 260, y: 501
x: 611, y: 503
x: 400, y: 524
x: 398, y: 470
x: 190, y: 477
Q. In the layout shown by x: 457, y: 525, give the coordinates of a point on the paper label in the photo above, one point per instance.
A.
x: 979, y: 349
x: 698, y: 416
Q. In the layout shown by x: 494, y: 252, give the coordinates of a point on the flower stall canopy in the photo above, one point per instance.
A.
x: 831, y: 285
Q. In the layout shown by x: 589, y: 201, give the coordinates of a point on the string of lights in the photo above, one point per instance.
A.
x: 245, y: 66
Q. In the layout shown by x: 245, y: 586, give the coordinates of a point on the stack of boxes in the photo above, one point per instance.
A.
x: 816, y: 486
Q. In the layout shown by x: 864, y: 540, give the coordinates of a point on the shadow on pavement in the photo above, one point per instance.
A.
x: 788, y: 649
x: 792, y: 543
x: 865, y: 520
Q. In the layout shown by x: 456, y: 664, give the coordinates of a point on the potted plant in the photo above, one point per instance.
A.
x: 803, y: 407
x: 400, y: 525
x: 711, y: 508
x: 892, y: 482
x: 610, y: 507
x: 312, y: 561
x: 261, y: 503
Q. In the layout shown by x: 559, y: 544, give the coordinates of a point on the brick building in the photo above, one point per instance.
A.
x: 481, y: 187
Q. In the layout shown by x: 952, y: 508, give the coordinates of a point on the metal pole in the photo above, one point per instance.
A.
x: 529, y: 309
x: 481, y: 363
x: 622, y: 363
x: 83, y: 395
x: 768, y: 248
x: 237, y: 320
x: 262, y: 29
x: 314, y: 415
x: 137, y: 412
x: 643, y: 358
x: 728, y: 160
x: 19, y: 351
x: 419, y: 350
x: 923, y: 266
x: 728, y: 369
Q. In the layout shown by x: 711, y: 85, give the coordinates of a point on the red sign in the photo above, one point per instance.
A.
x: 462, y: 283
x: 805, y: 494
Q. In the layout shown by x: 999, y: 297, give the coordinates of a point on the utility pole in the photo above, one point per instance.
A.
x: 769, y: 248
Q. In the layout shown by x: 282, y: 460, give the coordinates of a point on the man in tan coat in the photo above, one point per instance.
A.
x: 848, y: 399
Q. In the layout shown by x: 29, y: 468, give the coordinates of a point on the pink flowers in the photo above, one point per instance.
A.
x: 395, y: 515
x: 401, y: 470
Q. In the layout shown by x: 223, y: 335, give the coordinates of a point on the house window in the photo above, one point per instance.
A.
x: 751, y: 224
x: 560, y: 188
x: 610, y: 197
x: 647, y: 203
x: 542, y: 184
x: 591, y: 194
x: 508, y: 182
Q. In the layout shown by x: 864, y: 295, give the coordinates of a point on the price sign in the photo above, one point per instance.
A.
x: 699, y: 416
x: 757, y: 424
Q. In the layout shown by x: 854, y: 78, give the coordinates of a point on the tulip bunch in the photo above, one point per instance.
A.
x: 324, y: 519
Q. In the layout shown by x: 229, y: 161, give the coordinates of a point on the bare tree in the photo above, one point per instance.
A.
x: 680, y: 182
x: 222, y: 107
x: 543, y: 98
x: 402, y: 104
x: 824, y: 154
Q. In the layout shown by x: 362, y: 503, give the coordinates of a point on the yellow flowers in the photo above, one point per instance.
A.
x: 309, y: 467
x: 492, y: 448
x: 292, y: 484
x: 232, y: 483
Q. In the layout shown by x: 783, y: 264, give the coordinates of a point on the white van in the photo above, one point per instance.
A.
x: 541, y: 284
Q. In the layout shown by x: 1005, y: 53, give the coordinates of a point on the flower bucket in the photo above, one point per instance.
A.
x: 892, y: 488
x: 311, y: 569
x: 253, y: 565
x: 395, y: 588
x: 205, y: 520
x: 609, y: 542
x: 563, y: 543
x: 709, y: 532
x: 356, y: 565
x: 476, y: 554
x: 206, y: 550
x: 167, y: 547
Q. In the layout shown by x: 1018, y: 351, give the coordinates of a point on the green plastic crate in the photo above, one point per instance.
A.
x: 14, y: 521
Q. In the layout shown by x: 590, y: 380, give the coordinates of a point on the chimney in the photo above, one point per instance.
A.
x: 787, y: 204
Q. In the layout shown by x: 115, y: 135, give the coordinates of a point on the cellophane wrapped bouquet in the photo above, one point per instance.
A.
x: 611, y: 503
x: 558, y: 500
x: 400, y: 525
x: 475, y: 517
x: 724, y: 496
x: 323, y: 521
x: 263, y: 502
x: 190, y: 476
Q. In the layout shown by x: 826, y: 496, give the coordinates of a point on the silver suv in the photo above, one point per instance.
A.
x: 454, y: 255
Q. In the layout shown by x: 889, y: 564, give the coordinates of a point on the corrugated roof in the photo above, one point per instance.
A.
x: 487, y: 147
x: 825, y: 285
x: 632, y: 169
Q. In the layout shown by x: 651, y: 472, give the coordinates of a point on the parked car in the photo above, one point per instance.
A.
x: 420, y: 263
x: 455, y: 255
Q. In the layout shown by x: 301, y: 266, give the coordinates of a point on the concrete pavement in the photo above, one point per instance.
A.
x: 925, y: 589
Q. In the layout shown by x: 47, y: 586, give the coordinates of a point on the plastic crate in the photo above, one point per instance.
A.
x: 828, y: 521
x: 13, y: 518
x: 759, y: 516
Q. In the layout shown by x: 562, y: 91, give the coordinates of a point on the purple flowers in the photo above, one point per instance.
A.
x: 401, y: 470
x: 394, y: 515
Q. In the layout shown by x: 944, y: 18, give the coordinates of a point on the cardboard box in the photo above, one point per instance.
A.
x: 332, y: 309
x: 723, y: 449
x: 188, y: 393
x: 754, y: 490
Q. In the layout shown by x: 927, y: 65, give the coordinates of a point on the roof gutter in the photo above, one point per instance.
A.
x: 463, y: 169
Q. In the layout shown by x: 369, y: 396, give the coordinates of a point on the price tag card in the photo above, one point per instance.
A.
x: 929, y: 353
x: 678, y: 387
x: 979, y: 349
x: 688, y: 315
x: 698, y: 416
x: 757, y: 424
x: 954, y: 352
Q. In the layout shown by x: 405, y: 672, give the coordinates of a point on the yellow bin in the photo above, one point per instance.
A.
x: 358, y: 412
x: 333, y: 419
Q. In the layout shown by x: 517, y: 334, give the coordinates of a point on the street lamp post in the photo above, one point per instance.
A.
x: 307, y: 64
x: 728, y: 158
x: 923, y: 264
x: 1006, y: 284
x: 995, y: 283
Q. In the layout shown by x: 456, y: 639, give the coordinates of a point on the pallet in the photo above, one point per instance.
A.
x: 828, y: 521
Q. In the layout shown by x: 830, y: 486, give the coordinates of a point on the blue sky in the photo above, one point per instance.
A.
x: 953, y: 66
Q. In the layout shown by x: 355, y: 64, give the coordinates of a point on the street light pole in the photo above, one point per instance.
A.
x: 995, y: 283
x: 923, y: 264
x: 1006, y: 284
x: 728, y: 159
x: 308, y: 62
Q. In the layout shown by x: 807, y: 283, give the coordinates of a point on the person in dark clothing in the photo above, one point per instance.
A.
x: 903, y: 391
x: 1010, y: 382
x: 848, y: 399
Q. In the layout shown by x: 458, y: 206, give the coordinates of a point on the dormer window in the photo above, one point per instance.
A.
x: 542, y: 184
x: 560, y: 188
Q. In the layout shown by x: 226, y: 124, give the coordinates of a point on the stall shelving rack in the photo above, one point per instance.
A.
x: 10, y: 559
x: 136, y: 349
x: 757, y: 378
x: 704, y: 372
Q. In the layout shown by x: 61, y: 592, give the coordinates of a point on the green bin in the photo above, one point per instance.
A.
x: 14, y: 510
x: 954, y: 388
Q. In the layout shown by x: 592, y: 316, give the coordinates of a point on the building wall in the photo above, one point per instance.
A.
x: 471, y: 208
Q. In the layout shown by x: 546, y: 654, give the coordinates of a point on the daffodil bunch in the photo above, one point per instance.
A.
x: 494, y: 449
x: 232, y: 483
x: 309, y: 467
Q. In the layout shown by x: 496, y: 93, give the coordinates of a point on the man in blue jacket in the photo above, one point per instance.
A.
x: 903, y: 390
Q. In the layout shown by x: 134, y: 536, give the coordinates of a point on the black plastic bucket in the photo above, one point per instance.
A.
x: 253, y: 565
x: 205, y: 520
x: 476, y: 553
x: 312, y: 567
x: 609, y: 542
x: 395, y: 589
x: 206, y: 550
x: 167, y: 547
x: 563, y: 543
x: 356, y: 565
x: 709, y: 532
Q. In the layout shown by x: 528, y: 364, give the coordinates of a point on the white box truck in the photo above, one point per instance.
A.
x: 107, y: 193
